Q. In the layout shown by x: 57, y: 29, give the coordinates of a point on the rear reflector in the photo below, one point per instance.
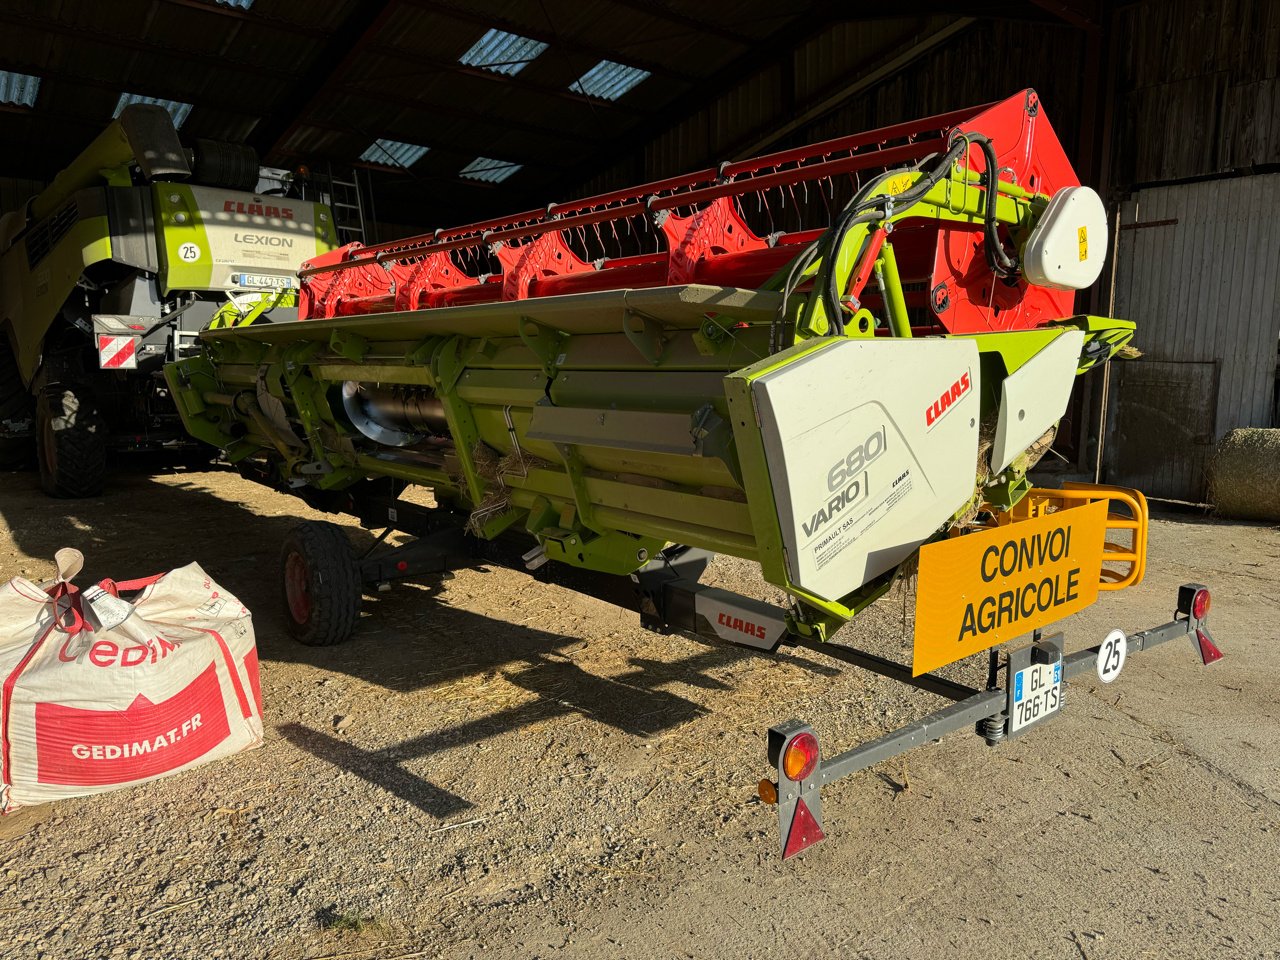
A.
x: 767, y: 790
x: 805, y: 831
x: 1200, y: 604
x: 1209, y: 651
x: 118, y: 353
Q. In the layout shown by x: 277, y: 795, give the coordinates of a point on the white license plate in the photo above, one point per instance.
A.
x: 1037, y: 694
x: 264, y: 281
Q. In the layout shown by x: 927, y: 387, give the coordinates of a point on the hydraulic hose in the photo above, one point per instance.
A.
x: 1001, y: 263
x: 864, y: 208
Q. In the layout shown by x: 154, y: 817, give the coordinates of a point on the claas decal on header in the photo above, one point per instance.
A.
x: 838, y: 361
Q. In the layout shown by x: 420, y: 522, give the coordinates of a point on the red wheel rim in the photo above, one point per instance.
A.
x: 297, y: 588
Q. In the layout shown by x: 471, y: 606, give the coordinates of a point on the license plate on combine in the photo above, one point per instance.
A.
x: 1037, y: 694
x: 263, y: 281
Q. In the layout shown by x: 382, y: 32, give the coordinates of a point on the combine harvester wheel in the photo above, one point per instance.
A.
x: 71, y: 441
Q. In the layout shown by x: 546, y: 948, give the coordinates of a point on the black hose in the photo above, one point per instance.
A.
x: 860, y: 210
x: 864, y: 209
x: 1001, y: 263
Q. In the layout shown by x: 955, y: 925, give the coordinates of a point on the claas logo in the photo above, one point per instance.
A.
x: 742, y: 626
x: 257, y: 209
x: 947, y: 400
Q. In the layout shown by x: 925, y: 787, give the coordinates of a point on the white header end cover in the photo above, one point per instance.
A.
x: 871, y: 446
x: 1067, y: 248
x: 1034, y: 397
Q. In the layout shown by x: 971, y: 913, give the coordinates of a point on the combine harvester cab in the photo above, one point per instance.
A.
x: 114, y: 269
x: 838, y: 361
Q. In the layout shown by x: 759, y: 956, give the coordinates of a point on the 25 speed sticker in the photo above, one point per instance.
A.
x: 1111, y: 655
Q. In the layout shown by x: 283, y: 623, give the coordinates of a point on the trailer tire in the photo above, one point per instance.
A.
x: 320, y: 584
x: 17, y: 452
x: 71, y: 441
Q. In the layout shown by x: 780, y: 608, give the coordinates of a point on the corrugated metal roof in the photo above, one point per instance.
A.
x: 502, y: 52
x: 609, y: 81
x: 556, y: 89
x: 393, y: 153
x: 487, y: 170
x: 19, y: 89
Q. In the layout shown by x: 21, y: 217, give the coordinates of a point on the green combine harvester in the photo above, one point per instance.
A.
x: 838, y: 360
x: 113, y: 270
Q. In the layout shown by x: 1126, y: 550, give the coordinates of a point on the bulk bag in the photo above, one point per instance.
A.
x: 121, y: 683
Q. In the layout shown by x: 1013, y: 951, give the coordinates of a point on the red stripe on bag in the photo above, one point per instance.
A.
x: 231, y: 669
x: 9, y: 683
x: 255, y: 683
x: 101, y: 747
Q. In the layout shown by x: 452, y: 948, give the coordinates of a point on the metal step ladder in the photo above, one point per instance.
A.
x: 346, y: 198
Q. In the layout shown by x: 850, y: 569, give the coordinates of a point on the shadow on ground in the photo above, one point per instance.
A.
x: 407, y: 641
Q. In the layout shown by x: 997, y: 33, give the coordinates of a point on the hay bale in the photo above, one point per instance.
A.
x: 1244, y: 475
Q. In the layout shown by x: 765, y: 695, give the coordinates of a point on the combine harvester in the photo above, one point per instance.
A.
x: 839, y: 361
x: 112, y: 271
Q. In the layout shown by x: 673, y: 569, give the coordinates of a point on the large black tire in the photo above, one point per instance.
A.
x: 320, y: 584
x: 15, y: 404
x: 71, y: 441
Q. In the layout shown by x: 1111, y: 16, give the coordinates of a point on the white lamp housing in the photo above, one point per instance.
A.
x: 1069, y: 244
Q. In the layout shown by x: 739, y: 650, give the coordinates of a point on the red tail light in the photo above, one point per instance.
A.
x: 800, y: 757
x: 1200, y: 604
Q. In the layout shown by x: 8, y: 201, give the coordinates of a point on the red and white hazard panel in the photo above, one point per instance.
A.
x: 118, y: 353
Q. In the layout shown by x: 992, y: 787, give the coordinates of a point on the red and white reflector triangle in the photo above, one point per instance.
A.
x: 1209, y: 651
x: 805, y: 831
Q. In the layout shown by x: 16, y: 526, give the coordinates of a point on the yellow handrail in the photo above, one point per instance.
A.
x: 1134, y: 519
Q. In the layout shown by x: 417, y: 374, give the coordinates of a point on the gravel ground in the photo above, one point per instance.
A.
x: 494, y: 767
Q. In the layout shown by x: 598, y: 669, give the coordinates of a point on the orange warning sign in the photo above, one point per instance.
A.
x: 981, y: 589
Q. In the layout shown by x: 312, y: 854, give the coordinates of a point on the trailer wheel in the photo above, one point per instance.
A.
x: 320, y: 584
x: 15, y: 404
x: 71, y: 441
